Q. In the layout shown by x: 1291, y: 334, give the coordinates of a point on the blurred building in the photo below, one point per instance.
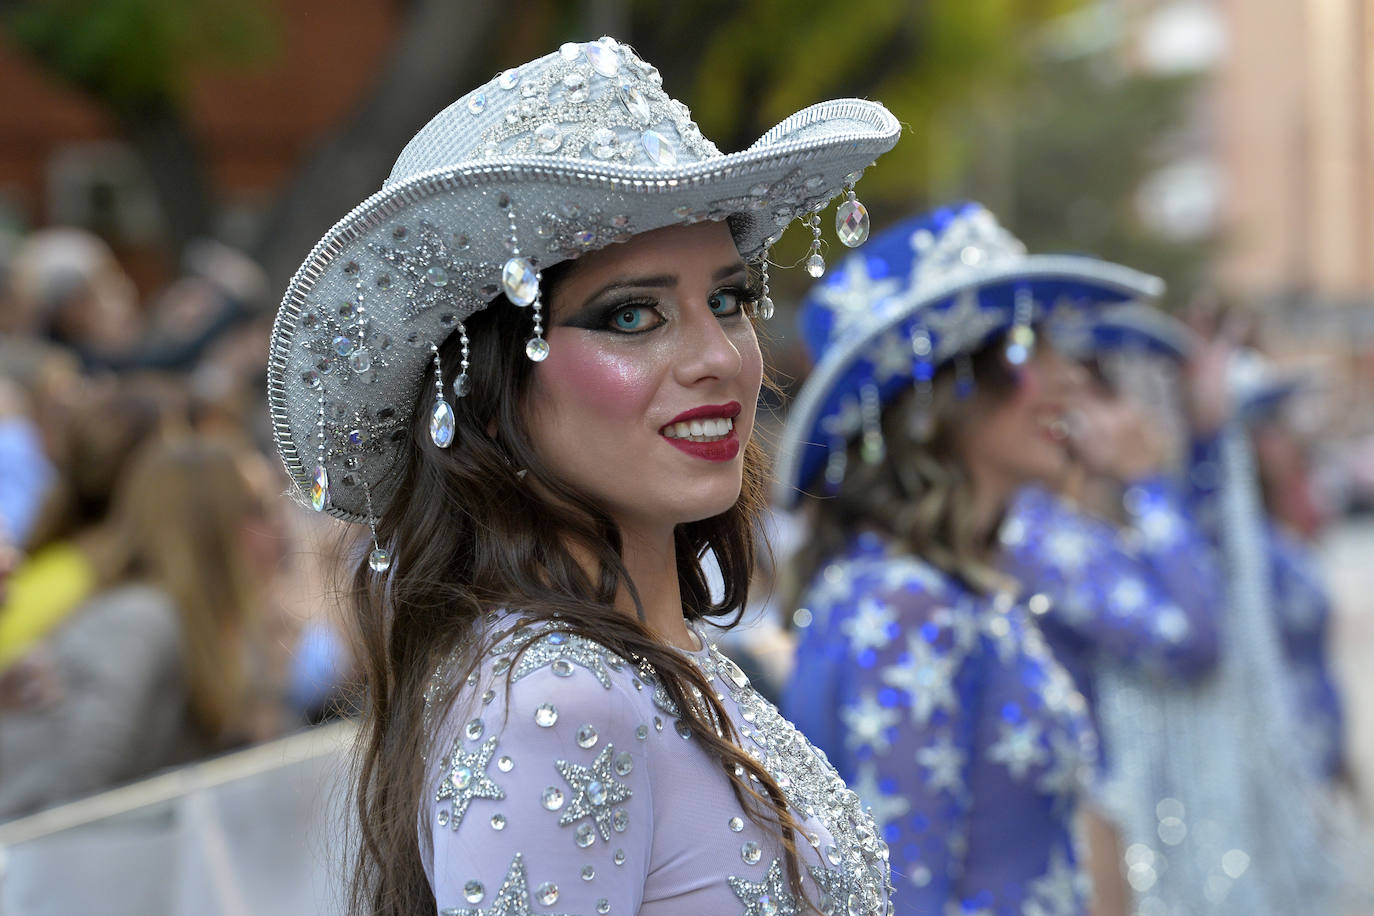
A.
x: 1282, y: 158
x: 62, y: 159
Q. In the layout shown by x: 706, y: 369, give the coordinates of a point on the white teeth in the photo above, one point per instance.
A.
x: 700, y: 430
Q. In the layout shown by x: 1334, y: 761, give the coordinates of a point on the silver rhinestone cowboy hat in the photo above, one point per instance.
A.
x: 927, y: 291
x: 563, y: 155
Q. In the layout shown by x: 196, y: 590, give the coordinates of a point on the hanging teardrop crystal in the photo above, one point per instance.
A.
x: 379, y: 560
x: 319, y: 490
x: 765, y: 308
x: 520, y: 282
x: 537, y: 349
x: 442, y: 424
x: 851, y: 222
x: 462, y: 385
x: 815, y: 265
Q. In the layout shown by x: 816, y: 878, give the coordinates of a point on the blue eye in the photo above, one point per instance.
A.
x: 630, y: 319
x: 725, y: 302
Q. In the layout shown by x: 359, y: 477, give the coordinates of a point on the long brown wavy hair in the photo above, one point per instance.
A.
x: 919, y: 496
x: 469, y: 533
x: 179, y: 516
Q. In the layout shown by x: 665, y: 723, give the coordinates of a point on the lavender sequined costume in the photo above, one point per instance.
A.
x: 945, y: 711
x: 580, y: 792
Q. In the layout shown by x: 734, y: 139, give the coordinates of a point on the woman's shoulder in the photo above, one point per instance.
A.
x: 531, y: 676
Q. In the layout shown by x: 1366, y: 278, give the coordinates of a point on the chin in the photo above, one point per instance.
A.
x: 1047, y: 464
x: 704, y: 504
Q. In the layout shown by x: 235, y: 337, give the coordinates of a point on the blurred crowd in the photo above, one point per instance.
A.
x: 159, y: 600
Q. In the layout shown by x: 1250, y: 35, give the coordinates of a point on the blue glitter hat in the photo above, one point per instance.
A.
x: 915, y: 297
x: 1134, y: 328
x: 1260, y: 387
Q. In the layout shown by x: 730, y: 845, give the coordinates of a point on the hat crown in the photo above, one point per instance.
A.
x: 913, y: 259
x: 590, y: 102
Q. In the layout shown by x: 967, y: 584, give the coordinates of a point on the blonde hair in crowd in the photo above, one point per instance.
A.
x: 179, y: 516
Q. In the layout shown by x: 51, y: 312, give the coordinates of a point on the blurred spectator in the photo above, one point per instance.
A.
x: 28, y: 474
x: 170, y: 659
x: 72, y: 551
x: 69, y: 289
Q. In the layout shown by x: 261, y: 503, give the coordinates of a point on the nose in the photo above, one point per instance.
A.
x: 1063, y: 377
x: 706, y: 349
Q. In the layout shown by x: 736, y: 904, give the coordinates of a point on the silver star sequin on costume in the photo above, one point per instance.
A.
x: 836, y: 890
x: 768, y: 897
x: 927, y: 676
x: 1171, y: 624
x: 1067, y: 549
x: 870, y: 625
x: 866, y: 724
x: 595, y: 791
x: 1160, y: 528
x: 550, y: 648
x: 1059, y: 892
x: 1018, y: 748
x: 1062, y: 775
x: 853, y: 296
x: 512, y: 899
x: 1127, y: 597
x: 944, y: 763
x: 884, y: 808
x: 900, y: 574
x: 466, y: 778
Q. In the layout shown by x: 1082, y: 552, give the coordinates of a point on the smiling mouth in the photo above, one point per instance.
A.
x: 708, y: 430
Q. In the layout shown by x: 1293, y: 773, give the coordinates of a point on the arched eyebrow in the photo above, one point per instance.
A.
x: 662, y: 281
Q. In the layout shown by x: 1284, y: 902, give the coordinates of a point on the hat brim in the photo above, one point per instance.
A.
x: 1051, y: 279
x: 562, y: 208
x: 1141, y: 327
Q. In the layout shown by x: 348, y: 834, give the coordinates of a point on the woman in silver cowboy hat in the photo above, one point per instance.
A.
x: 545, y: 432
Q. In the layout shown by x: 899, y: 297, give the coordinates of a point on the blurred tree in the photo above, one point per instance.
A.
x: 445, y: 48
x: 1080, y: 141
x: 133, y: 57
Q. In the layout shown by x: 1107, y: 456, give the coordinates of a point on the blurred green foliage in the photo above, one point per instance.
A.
x: 138, y: 55
x: 1057, y: 142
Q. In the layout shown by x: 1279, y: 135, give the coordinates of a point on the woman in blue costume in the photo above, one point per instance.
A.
x: 1209, y: 780
x: 1122, y: 573
x: 1303, y: 607
x: 920, y: 674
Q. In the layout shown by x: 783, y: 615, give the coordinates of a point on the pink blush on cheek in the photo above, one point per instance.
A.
x: 580, y: 368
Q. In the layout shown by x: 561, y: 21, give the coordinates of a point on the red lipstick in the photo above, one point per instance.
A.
x: 723, y: 449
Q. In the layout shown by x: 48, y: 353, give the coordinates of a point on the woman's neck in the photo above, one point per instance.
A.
x: 990, y: 495
x: 651, y: 561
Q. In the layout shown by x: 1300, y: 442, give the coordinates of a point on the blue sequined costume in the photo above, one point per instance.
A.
x: 1304, y: 617
x: 947, y: 714
x: 1144, y: 596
